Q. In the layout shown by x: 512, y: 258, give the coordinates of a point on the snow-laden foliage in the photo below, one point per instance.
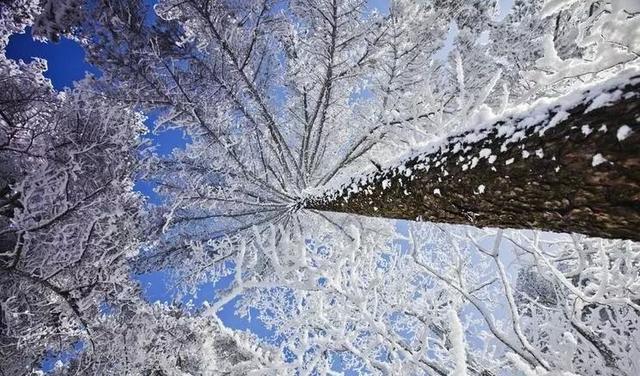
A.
x: 164, y: 340
x: 283, y: 100
x: 68, y: 220
x: 50, y: 19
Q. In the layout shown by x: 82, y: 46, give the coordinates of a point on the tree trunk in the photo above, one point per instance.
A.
x: 580, y: 174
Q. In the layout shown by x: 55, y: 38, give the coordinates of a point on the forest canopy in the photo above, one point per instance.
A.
x: 392, y: 187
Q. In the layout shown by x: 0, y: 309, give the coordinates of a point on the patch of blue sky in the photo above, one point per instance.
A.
x: 342, y: 365
x: 65, y: 60
x: 360, y: 95
x: 106, y: 309
x: 382, y: 6
x: 147, y: 189
x: 279, y: 6
x: 53, y: 358
x: 150, y: 15
x: 163, y: 141
x: 157, y: 287
x: 447, y: 46
x: 279, y: 95
x: 251, y: 322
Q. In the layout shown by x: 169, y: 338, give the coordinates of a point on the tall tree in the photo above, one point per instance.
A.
x: 284, y: 101
x: 563, y: 166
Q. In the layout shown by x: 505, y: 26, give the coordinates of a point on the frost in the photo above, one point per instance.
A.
x: 623, y: 132
x: 385, y: 296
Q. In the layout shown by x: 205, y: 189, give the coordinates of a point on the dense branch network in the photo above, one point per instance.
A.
x: 283, y: 102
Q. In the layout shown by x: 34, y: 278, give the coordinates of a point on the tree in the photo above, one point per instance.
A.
x: 69, y: 217
x: 70, y: 226
x: 274, y: 114
x: 283, y: 106
x: 559, y: 167
x: 285, y: 101
x: 143, y: 339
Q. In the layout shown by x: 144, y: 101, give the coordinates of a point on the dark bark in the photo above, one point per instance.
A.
x: 559, y: 189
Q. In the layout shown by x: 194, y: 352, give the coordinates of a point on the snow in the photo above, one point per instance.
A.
x: 550, y: 58
x: 632, y: 6
x: 597, y: 160
x: 480, y: 190
x: 553, y: 6
x: 586, y: 130
x: 536, y: 116
x: 484, y: 153
x: 570, y: 338
x: 623, y: 132
x: 437, y: 192
x: 457, y: 345
x: 603, y: 100
x: 558, y: 118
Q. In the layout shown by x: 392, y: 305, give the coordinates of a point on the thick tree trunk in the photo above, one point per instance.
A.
x: 581, y: 174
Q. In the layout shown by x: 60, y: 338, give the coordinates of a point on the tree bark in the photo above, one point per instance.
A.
x: 581, y: 174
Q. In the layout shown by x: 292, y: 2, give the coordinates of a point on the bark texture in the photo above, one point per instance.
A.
x: 581, y: 174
